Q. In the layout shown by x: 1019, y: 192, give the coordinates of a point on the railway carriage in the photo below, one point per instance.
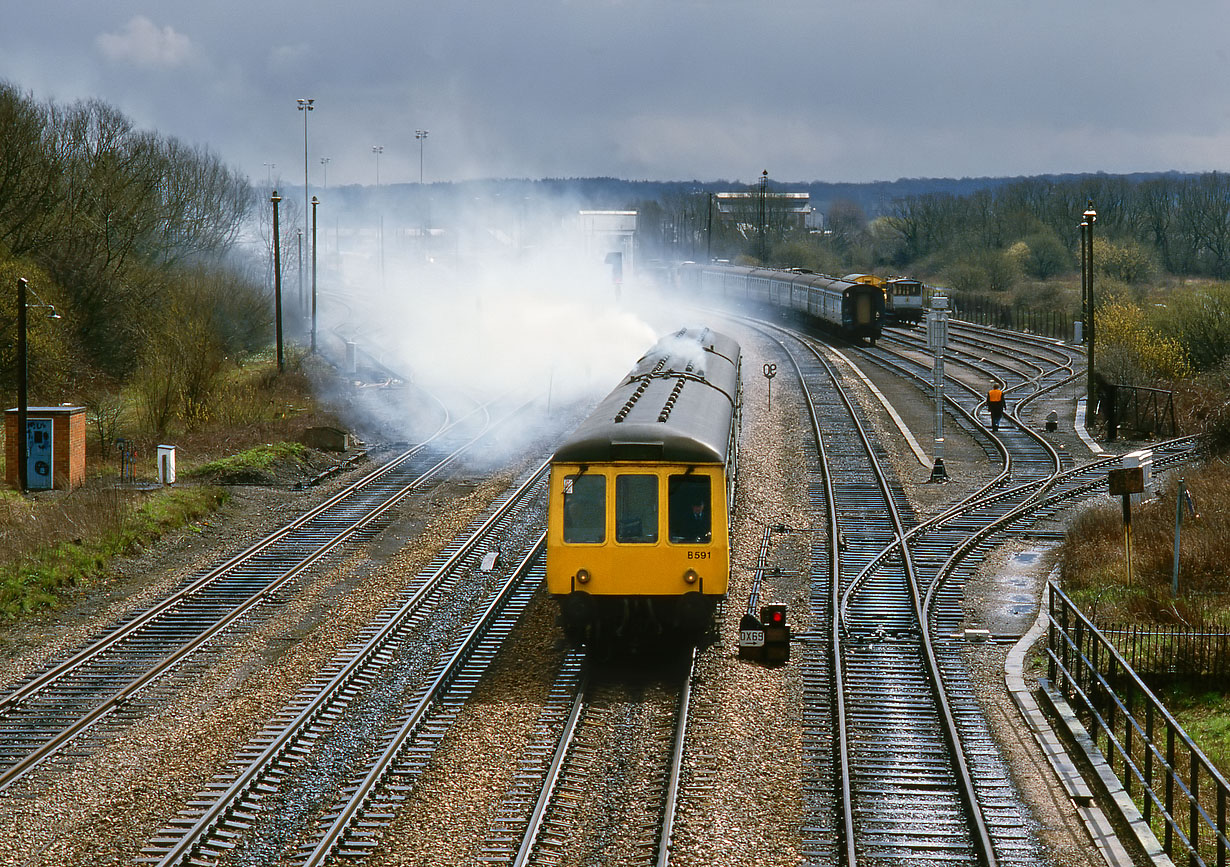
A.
x: 853, y: 309
x: 638, y: 520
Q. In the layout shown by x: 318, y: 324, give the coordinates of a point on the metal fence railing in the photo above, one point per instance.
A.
x: 1174, y: 654
x: 980, y: 309
x: 1181, y: 794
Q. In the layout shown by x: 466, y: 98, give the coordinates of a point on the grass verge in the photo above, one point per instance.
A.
x: 1205, y: 716
x: 254, y: 464
x: 36, y: 580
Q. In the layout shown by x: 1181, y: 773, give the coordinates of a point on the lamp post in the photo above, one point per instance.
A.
x: 315, y: 202
x: 23, y: 397
x: 937, y: 340
x: 1090, y: 217
x: 421, y: 135
x: 299, y: 297
x: 378, y: 150
x: 277, y: 278
x: 764, y: 224
x: 305, y: 106
x: 324, y: 162
x: 709, y: 231
x: 23, y: 375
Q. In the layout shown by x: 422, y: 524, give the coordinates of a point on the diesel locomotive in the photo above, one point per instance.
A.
x: 903, y: 297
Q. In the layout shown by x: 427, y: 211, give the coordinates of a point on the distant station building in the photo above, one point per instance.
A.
x: 750, y: 209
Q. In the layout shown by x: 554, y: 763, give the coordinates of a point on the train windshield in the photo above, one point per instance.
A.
x: 636, y: 508
x: 585, y: 508
x: 691, y: 503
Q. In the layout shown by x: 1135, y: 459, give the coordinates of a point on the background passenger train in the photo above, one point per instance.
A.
x: 638, y: 517
x: 873, y: 280
x: 853, y: 309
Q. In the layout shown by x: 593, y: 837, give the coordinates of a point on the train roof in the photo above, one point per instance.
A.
x: 870, y: 279
x: 675, y: 405
x: 794, y: 276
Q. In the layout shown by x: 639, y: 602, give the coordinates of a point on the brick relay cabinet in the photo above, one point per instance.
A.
x: 67, y: 447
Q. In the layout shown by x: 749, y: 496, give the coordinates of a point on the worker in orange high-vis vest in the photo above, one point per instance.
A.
x: 995, y: 403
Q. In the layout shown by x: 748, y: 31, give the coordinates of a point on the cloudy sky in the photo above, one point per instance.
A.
x: 839, y: 90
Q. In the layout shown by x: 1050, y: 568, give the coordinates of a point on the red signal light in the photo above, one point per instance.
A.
x: 776, y: 633
x: 773, y: 615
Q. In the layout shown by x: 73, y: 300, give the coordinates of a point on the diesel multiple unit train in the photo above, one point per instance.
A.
x: 853, y: 309
x: 638, y: 515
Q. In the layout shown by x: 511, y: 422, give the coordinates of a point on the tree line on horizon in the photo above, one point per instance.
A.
x: 1175, y: 223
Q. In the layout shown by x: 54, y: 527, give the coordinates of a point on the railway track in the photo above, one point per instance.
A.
x: 920, y: 777
x: 610, y: 741
x: 904, y: 790
x: 1036, y: 482
x: 116, y: 678
x: 357, y: 737
x: 304, y: 790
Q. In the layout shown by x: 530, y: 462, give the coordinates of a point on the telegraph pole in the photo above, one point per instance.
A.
x: 277, y: 279
x: 1090, y: 217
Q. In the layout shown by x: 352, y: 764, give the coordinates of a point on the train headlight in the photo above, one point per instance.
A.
x: 690, y: 577
x: 582, y: 576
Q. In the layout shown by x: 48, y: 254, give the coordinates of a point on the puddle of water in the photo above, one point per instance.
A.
x: 1012, y: 602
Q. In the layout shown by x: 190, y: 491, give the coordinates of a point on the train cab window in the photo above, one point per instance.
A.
x: 691, y: 506
x: 585, y: 508
x: 636, y: 508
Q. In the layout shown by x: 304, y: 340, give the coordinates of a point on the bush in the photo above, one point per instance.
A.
x: 983, y: 272
x: 1199, y: 318
x: 1132, y: 352
x: 1041, y: 255
x: 1093, y: 569
x: 1128, y: 262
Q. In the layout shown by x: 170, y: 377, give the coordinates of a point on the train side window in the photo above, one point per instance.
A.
x: 636, y: 508
x: 691, y: 508
x: 585, y: 509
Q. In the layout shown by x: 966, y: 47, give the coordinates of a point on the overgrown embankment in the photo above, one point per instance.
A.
x: 1094, y: 566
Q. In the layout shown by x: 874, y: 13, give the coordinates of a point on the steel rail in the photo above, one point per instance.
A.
x: 168, y: 663
x: 670, y: 806
x: 538, y: 815
x: 229, y: 798
x: 840, y: 733
x: 25, y: 692
x: 979, y: 833
x: 336, y: 831
x: 965, y: 785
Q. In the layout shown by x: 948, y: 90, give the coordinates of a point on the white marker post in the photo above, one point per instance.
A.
x: 937, y: 340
